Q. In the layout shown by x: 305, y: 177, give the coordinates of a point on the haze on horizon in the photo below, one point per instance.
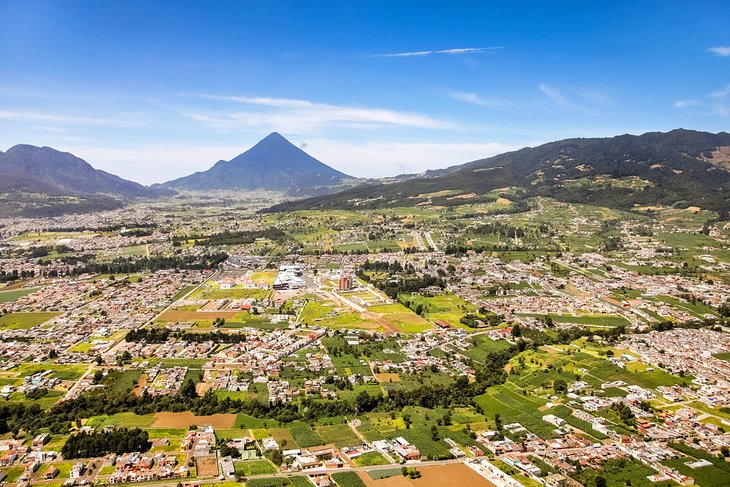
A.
x: 156, y: 91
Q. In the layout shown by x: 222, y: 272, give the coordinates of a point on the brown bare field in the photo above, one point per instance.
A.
x: 175, y: 315
x: 17, y: 285
x: 206, y: 466
x: 503, y: 201
x: 141, y: 384
x: 467, y: 196
x: 185, y: 419
x: 387, y: 377
x: 433, y: 476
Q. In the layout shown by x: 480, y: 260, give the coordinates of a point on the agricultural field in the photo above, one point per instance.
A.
x: 13, y: 295
x: 448, y: 307
x: 23, y: 321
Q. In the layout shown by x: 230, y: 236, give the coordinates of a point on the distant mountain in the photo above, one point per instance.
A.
x: 678, y: 167
x: 273, y: 164
x: 28, y: 168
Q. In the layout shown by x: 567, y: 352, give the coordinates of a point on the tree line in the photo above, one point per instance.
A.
x: 100, y: 443
x: 161, y: 335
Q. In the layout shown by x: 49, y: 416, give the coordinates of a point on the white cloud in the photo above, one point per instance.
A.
x: 721, y: 93
x: 720, y: 51
x: 382, y: 159
x: 686, y: 103
x: 461, y: 50
x: 556, y: 96
x: 477, y: 100
x: 49, y: 118
x: 293, y: 115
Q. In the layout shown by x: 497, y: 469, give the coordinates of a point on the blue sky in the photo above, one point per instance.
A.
x: 155, y: 90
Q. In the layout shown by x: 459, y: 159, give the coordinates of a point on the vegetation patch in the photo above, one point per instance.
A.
x: 24, y: 321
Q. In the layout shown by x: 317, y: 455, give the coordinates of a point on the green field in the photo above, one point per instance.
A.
x: 294, y: 481
x: 602, y: 320
x: 448, y: 307
x: 723, y: 356
x: 339, y: 434
x: 348, y: 479
x: 183, y: 292
x: 255, y: 467
x: 10, y: 296
x: 126, y: 420
x: 24, y: 321
x: 402, y: 317
x: 305, y: 436
x: 385, y: 473
x: 371, y: 458
x: 618, y: 473
x: 326, y: 314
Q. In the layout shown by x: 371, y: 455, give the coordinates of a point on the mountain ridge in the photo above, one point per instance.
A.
x: 273, y: 164
x: 674, y: 165
x: 26, y: 167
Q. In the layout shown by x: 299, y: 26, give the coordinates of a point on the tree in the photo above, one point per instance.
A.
x: 187, y: 390
x: 277, y: 458
x: 601, y: 481
x: 559, y: 385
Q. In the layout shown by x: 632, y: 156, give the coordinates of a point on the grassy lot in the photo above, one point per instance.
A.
x: 283, y: 436
x: 255, y: 467
x: 449, y: 307
x: 23, y: 321
x: 348, y: 479
x: 588, y: 319
x: 384, y: 474
x: 124, y: 381
x: 716, y: 475
x: 305, y: 436
x: 13, y: 473
x: 370, y: 458
x: 324, y: 313
x: 618, y: 473
x: 126, y: 420
x: 297, y: 481
x: 482, y: 346
x: 649, y: 379
x: 183, y: 292
x: 10, y: 296
x: 402, y: 317
x: 711, y: 476
x: 513, y: 406
x: 339, y: 434
x: 723, y: 356
x: 244, y: 421
x: 266, y: 276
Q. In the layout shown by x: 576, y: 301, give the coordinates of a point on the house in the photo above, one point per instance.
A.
x: 227, y: 467
x: 556, y: 480
x: 77, y: 470
x: 51, y: 472
x: 41, y: 439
